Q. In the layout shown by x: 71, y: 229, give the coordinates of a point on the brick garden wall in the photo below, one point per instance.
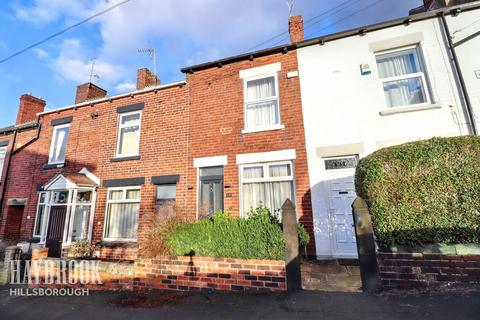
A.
x: 195, y: 273
x: 418, y: 270
x: 186, y: 274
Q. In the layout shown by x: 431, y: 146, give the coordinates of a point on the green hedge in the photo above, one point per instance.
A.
x: 259, y: 236
x: 423, y: 192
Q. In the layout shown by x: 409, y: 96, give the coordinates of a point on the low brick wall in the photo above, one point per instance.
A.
x: 422, y: 270
x: 195, y: 273
x: 187, y: 274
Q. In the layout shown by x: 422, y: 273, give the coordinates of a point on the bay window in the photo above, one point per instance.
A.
x: 121, y: 220
x: 403, y: 77
x: 58, y: 146
x: 128, y: 140
x: 267, y: 185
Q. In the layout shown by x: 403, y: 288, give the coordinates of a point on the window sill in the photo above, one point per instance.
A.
x: 129, y: 158
x: 275, y: 127
x: 396, y: 110
x: 118, y: 243
x: 53, y: 165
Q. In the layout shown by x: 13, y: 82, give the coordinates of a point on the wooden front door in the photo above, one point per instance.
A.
x: 56, y: 226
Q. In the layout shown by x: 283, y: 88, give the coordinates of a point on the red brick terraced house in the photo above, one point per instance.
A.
x: 230, y: 137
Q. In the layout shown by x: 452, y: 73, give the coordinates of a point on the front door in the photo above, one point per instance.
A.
x: 211, y: 190
x: 56, y: 226
x: 341, y: 194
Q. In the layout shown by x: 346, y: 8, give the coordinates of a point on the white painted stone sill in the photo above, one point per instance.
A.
x: 397, y: 110
x: 276, y: 127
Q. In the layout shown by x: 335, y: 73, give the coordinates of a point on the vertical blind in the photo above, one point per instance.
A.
x: 122, y: 214
x: 262, y: 103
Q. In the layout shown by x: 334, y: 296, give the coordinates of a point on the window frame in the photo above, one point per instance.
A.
x: 2, y: 161
x: 42, y: 223
x: 119, y: 129
x: 53, y: 140
x: 123, y: 200
x: 167, y: 185
x: 246, y: 103
x: 266, y: 179
x: 422, y: 75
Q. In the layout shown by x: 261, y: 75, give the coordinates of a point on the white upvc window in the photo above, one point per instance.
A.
x: 262, y: 107
x: 3, y: 153
x: 267, y: 185
x: 128, y: 138
x: 402, y: 74
x: 121, y: 219
x: 40, y: 217
x: 58, y: 146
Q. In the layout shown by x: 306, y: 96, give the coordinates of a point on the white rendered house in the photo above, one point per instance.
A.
x: 370, y: 88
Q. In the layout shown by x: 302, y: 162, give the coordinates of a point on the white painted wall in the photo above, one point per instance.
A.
x: 462, y: 26
x: 340, y: 106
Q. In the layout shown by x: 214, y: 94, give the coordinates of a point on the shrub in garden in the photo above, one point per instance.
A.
x: 259, y: 236
x: 423, y: 192
x: 80, y: 249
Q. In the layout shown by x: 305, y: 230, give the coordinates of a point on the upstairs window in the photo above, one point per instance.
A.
x: 58, y: 147
x: 128, y: 141
x: 261, y: 103
x: 403, y: 77
x: 3, y: 152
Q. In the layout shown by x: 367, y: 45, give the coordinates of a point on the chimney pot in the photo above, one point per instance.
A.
x: 146, y: 78
x: 28, y: 108
x: 89, y: 91
x: 295, y: 27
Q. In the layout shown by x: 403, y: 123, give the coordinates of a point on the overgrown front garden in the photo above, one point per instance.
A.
x: 258, y: 236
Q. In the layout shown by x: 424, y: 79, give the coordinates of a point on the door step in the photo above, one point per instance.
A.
x: 331, y: 275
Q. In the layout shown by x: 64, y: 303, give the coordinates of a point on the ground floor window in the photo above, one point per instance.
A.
x: 267, y: 185
x: 121, y: 221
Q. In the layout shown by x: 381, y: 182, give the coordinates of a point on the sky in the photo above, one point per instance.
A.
x: 183, y: 32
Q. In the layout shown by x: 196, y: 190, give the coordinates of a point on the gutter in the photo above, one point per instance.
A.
x: 4, y: 183
x: 459, y: 73
x: 123, y: 95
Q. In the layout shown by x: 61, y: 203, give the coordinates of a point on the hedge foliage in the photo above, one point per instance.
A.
x: 259, y: 236
x: 423, y: 192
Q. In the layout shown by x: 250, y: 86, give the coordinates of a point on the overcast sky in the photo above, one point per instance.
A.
x: 184, y: 32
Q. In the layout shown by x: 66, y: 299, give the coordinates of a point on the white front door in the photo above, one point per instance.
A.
x: 341, y: 194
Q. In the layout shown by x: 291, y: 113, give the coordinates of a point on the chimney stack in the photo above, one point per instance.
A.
x: 146, y: 78
x: 28, y: 108
x: 295, y: 27
x: 89, y: 91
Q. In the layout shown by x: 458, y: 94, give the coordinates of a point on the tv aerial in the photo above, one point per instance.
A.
x: 92, y: 75
x: 152, y: 53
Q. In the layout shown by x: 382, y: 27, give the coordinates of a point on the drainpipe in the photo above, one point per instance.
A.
x: 4, y: 183
x: 459, y: 74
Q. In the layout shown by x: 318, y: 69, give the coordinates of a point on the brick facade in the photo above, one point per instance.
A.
x: 417, y: 270
x: 200, y: 118
x: 216, y: 122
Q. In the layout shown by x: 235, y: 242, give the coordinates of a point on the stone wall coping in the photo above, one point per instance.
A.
x: 211, y: 259
x: 441, y: 249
